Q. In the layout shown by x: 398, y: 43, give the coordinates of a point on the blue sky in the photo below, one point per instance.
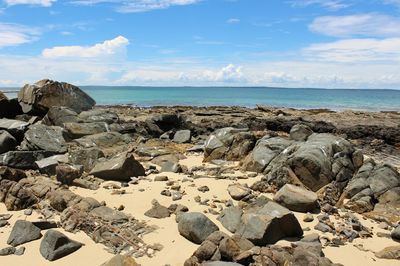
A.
x: 287, y: 43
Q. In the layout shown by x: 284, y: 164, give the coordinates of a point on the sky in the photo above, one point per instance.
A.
x: 279, y: 43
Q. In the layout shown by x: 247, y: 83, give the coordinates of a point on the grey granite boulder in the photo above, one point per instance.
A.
x: 56, y: 245
x: 23, y: 232
x: 46, y: 138
x: 297, y: 198
x: 120, y: 168
x: 196, y: 227
x: 268, y: 223
x: 182, y: 136
x: 37, y: 98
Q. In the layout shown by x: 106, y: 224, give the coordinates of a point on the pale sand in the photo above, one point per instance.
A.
x: 176, y: 248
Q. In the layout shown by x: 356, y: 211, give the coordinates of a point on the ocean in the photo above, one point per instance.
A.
x: 334, y: 99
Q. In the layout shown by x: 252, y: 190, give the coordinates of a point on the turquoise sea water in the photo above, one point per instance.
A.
x: 356, y: 99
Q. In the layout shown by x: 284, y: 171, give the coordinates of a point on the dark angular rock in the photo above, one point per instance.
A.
x: 120, y: 168
x: 196, y: 227
x: 23, y: 232
x: 46, y: 138
x: 77, y: 130
x: 300, y: 132
x: 7, y: 251
x: 103, y: 140
x: 23, y: 159
x: 14, y: 127
x: 230, y: 218
x: 86, y: 157
x: 66, y: 174
x: 56, y: 245
x: 7, y: 142
x: 58, y: 115
x: 158, y: 211
x: 48, y: 165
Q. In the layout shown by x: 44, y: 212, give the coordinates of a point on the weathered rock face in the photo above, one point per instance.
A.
x: 300, y: 132
x: 196, y: 227
x: 56, y: 245
x: 229, y: 144
x: 48, y: 165
x: 58, y: 115
x: 373, y: 183
x: 238, y: 192
x: 11, y: 174
x: 267, y: 222
x: 161, y: 123
x: 265, y: 150
x: 86, y: 157
x: 23, y: 232
x: 77, y: 130
x: 296, y: 198
x: 14, y: 127
x: 66, y: 174
x: 7, y: 142
x: 99, y: 116
x: 182, y: 136
x: 120, y: 168
x: 15, y: 196
x: 23, y: 159
x: 47, y: 138
x: 103, y: 140
x: 44, y: 94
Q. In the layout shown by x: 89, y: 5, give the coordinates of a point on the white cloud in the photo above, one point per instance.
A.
x: 135, y: 6
x: 106, y: 48
x: 229, y: 73
x: 328, y: 4
x: 15, y: 34
x: 370, y: 25
x: 45, y: 3
x: 233, y: 21
x: 356, y: 50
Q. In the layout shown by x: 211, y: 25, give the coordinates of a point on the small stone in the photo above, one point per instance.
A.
x: 161, y: 178
x: 396, y: 233
x: 308, y: 218
x: 176, y: 196
x: 121, y: 207
x: 121, y: 260
x: 20, y: 251
x: 3, y: 223
x: 28, y: 212
x: 203, y: 189
x: 7, y: 251
x: 166, y: 192
x: 392, y: 252
x: 197, y: 199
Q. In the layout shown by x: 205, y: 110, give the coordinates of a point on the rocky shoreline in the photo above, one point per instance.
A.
x: 231, y: 185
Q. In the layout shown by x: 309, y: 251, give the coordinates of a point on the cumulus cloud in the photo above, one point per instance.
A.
x: 106, y: 48
x: 135, y: 6
x: 15, y: 34
x: 45, y: 3
x: 356, y: 50
x: 370, y: 25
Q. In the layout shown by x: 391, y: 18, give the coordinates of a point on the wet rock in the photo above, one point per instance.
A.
x: 267, y: 223
x: 158, y: 211
x: 23, y: 232
x: 66, y: 174
x: 44, y: 94
x: 120, y: 168
x: 296, y: 198
x: 238, y: 192
x: 196, y: 227
x: 86, y: 157
x: 46, y: 138
x: 56, y: 245
x: 182, y: 136
x: 7, y: 142
x: 391, y: 253
x: 300, y: 132
x: 23, y: 159
x: 120, y: 260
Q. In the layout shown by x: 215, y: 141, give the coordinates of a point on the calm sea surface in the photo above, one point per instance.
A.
x: 372, y: 100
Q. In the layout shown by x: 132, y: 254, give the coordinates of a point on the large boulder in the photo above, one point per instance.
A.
x: 7, y: 142
x: 265, y: 150
x: 23, y: 232
x: 300, y: 132
x: 182, y: 136
x: 86, y: 157
x: 56, y: 245
x: 44, y: 138
x: 48, y: 165
x: 196, y: 227
x: 58, y: 115
x: 37, y: 98
x: 267, y: 222
x: 120, y: 168
x: 161, y: 123
x: 296, y: 198
x: 23, y: 159
x: 229, y: 144
x: 9, y: 108
x: 99, y: 116
x: 14, y: 127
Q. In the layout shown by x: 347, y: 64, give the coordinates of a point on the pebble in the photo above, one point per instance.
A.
x: 308, y: 218
x: 28, y: 212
